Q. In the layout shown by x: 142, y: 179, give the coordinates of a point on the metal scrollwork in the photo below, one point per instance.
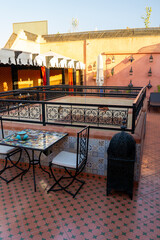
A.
x: 91, y: 116
x: 69, y: 114
x: 78, y: 115
x: 82, y: 146
x: 88, y: 115
x: 20, y: 111
x: 52, y: 113
x: 35, y: 112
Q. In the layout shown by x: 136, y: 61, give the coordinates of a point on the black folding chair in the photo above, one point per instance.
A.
x: 71, y: 161
x: 8, y: 152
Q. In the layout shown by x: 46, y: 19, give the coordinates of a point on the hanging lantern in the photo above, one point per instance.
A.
x: 130, y: 84
x: 149, y: 85
x: 113, y: 59
x: 131, y: 59
x: 131, y: 71
x: 150, y: 72
x: 151, y: 58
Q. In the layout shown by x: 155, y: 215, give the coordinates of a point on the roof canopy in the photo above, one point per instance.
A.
x: 8, y: 56
x: 52, y: 59
x: 49, y: 59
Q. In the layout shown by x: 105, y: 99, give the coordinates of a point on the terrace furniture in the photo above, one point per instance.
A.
x: 73, y: 163
x: 154, y: 100
x: 8, y: 152
x: 37, y: 141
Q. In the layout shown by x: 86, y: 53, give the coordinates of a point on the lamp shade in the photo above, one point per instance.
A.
x: 150, y: 72
x: 131, y: 71
x: 113, y: 59
x: 149, y: 85
x: 151, y: 58
x: 130, y: 84
x: 131, y: 59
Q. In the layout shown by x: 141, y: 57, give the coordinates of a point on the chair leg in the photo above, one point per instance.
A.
x: 7, y: 160
x: 57, y: 182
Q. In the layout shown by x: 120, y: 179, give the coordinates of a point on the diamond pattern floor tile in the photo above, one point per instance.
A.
x: 26, y: 215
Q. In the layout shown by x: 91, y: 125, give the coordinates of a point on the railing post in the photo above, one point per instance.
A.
x: 133, y: 117
x: 8, y: 109
x: 98, y: 116
x: 37, y: 96
x: 71, y: 114
x: 2, y: 127
x: 43, y: 114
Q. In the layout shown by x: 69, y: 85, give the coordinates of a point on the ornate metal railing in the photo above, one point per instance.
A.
x: 137, y: 106
x: 45, y: 93
x: 95, y: 115
x: 44, y: 112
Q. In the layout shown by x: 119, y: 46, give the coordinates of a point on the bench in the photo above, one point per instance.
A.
x: 154, y: 100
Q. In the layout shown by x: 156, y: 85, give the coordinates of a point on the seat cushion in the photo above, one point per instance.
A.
x: 6, y: 149
x: 65, y: 159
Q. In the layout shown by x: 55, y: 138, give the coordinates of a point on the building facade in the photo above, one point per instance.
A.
x: 129, y: 55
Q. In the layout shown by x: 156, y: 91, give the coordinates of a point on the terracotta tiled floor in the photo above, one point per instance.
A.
x: 25, y: 214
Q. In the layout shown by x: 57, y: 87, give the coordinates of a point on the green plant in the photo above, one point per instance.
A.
x: 158, y: 88
x: 146, y: 18
x: 75, y: 24
x: 128, y: 91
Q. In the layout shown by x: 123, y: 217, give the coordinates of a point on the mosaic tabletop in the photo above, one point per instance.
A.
x: 37, y: 139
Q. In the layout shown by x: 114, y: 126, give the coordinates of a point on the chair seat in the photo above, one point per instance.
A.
x: 6, y: 149
x: 65, y: 159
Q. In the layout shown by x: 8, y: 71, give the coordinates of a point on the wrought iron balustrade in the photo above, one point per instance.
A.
x: 67, y: 114
x: 88, y: 114
x: 36, y: 107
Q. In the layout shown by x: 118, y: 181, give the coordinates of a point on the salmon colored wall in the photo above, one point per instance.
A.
x: 5, y: 76
x: 140, y: 67
x: 88, y: 50
x: 140, y: 47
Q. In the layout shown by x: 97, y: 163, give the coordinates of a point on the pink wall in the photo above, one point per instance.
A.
x: 140, y: 67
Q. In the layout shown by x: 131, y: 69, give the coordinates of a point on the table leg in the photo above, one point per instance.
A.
x: 28, y: 166
x: 41, y: 165
x: 33, y: 163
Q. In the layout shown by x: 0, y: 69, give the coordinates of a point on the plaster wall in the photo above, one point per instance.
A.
x: 37, y: 27
x: 5, y: 76
x: 71, y: 49
x: 121, y: 48
x: 22, y: 44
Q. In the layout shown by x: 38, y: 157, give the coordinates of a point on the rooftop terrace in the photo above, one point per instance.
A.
x: 91, y: 215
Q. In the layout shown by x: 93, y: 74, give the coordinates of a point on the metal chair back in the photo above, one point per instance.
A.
x: 2, y: 132
x: 82, y: 148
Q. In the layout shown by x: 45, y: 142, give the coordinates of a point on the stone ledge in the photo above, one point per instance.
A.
x: 94, y: 133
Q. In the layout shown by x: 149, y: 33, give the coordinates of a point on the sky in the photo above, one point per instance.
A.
x: 91, y: 14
